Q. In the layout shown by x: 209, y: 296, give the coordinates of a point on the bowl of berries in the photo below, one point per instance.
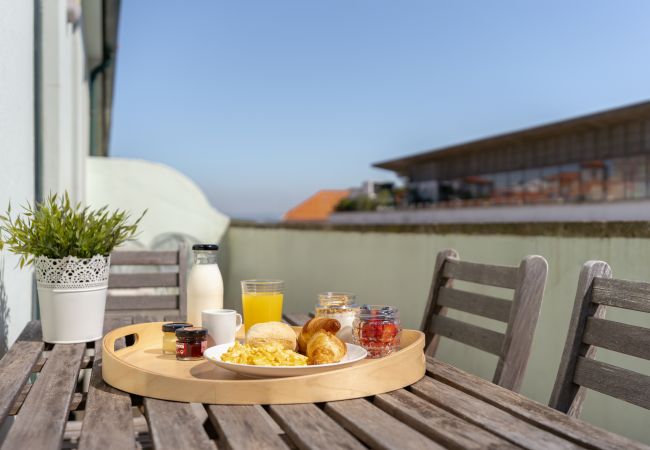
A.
x: 377, y: 329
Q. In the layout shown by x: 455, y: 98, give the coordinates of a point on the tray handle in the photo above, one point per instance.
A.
x: 117, y: 339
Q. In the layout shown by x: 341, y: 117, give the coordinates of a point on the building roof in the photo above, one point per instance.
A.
x: 582, y: 123
x: 316, y: 208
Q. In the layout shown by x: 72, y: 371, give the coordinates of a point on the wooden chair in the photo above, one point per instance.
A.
x: 126, y: 295
x: 588, y: 330
x: 513, y: 347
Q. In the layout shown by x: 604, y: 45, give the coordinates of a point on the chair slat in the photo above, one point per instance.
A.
x: 568, y: 396
x: 153, y: 306
x: 479, y: 304
x: 182, y: 280
x: 499, y: 276
x: 615, y: 381
x: 432, y: 308
x: 120, y: 302
x: 634, y: 295
x: 524, y: 313
x: 144, y: 258
x: 481, y: 338
x: 138, y: 280
x: 619, y: 337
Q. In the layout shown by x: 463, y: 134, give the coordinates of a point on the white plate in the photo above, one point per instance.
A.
x: 354, y: 354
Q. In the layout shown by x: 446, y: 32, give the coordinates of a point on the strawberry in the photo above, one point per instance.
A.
x: 388, y: 333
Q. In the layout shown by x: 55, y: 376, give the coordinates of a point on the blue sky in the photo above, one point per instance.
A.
x: 263, y: 103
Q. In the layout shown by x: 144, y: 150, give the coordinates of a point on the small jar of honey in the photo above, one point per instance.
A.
x: 169, y: 336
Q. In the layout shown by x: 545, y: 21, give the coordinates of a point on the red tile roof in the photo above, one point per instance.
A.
x: 316, y: 208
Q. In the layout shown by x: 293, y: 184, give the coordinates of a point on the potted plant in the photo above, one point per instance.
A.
x: 69, y: 246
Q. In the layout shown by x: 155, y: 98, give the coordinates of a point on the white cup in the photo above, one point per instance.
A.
x: 222, y: 325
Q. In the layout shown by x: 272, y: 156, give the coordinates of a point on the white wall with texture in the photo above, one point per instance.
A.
x: 16, y: 153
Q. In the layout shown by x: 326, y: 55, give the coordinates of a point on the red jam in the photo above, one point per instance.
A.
x: 377, y: 329
x: 191, y: 342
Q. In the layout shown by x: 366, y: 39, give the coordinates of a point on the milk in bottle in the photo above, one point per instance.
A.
x: 205, y: 285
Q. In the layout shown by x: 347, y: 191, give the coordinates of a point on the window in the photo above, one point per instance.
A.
x: 635, y: 176
x: 500, y: 192
x: 450, y: 190
x: 516, y: 186
x: 569, y: 183
x: 477, y: 187
x: 550, y: 183
x: 592, y: 180
x: 424, y: 192
x: 533, y: 185
x: 615, y: 179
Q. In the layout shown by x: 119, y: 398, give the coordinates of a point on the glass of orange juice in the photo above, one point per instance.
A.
x: 261, y: 301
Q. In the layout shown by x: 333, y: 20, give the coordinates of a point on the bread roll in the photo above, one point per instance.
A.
x: 261, y: 334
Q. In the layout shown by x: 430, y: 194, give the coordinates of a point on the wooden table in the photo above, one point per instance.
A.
x: 45, y: 404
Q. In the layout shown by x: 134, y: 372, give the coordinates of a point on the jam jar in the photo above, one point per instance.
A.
x: 377, y: 329
x: 169, y: 336
x: 340, y: 306
x: 191, y: 342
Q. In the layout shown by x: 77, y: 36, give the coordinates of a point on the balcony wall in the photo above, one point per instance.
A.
x: 17, y: 164
x: 393, y: 265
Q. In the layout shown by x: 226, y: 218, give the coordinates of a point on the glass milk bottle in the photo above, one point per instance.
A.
x: 205, y: 285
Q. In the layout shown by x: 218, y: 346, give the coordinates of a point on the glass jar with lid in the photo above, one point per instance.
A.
x: 340, y: 306
x: 169, y: 336
x: 191, y: 342
x: 378, y: 330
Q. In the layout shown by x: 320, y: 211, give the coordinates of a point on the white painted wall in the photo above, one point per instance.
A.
x: 65, y: 103
x: 65, y: 118
x: 16, y: 152
x: 175, y: 204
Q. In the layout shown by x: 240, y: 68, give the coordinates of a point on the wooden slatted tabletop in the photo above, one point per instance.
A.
x: 53, y: 396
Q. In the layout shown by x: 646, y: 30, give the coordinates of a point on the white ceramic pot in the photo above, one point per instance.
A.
x: 72, y: 297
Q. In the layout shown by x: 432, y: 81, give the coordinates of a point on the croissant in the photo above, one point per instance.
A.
x: 312, y: 326
x: 324, y: 348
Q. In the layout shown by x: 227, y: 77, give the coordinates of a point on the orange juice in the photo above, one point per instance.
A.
x: 261, y: 307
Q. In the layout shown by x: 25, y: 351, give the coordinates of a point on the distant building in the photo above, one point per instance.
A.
x: 316, y: 208
x: 602, y: 157
x: 370, y: 189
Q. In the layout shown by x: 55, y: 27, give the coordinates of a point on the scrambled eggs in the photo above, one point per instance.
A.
x: 272, y: 354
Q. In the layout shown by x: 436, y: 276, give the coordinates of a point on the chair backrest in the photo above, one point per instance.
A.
x: 125, y: 289
x: 588, y: 330
x: 513, y: 348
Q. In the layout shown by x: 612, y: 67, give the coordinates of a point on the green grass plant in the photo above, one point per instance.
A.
x: 56, y: 228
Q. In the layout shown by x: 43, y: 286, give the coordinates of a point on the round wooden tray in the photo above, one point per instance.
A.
x: 143, y: 369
